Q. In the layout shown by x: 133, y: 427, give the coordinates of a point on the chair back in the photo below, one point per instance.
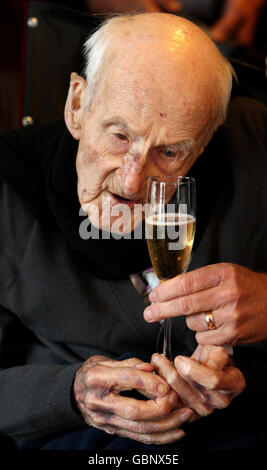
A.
x: 53, y: 43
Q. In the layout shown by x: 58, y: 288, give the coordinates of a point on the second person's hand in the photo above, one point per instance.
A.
x: 234, y: 297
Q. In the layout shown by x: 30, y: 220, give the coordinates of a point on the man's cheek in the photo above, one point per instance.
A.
x: 89, y: 187
x: 88, y: 155
x: 100, y: 160
x: 91, y: 167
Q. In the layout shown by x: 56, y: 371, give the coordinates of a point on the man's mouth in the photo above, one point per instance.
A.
x: 122, y: 200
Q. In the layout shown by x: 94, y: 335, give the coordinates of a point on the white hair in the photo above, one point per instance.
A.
x: 96, y: 52
x: 96, y: 55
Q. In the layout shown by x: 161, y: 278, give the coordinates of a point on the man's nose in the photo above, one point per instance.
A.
x: 133, y: 173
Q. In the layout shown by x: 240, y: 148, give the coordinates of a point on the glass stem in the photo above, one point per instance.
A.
x: 167, y: 350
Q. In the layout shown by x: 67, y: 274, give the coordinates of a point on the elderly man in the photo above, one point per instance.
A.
x: 155, y: 92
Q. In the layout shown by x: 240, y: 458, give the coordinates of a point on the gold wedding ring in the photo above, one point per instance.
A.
x: 210, y: 320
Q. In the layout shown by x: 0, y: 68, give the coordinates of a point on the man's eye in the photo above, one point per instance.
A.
x: 121, y: 136
x: 169, y: 153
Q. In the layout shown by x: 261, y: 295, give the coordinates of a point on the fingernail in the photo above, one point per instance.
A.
x: 162, y: 389
x: 148, y: 315
x: 141, y: 366
x: 155, y: 357
x: 153, y: 296
x: 183, y: 364
x: 145, y: 365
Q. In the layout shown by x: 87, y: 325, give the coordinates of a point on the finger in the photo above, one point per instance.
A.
x: 155, y: 438
x: 229, y: 380
x: 101, y: 381
x: 217, y: 337
x: 188, y: 283
x: 225, y: 27
x: 130, y: 362
x: 191, y: 397
x: 130, y: 408
x: 207, y: 300
x: 219, y: 399
x: 197, y: 353
x: 214, y: 357
x: 171, y: 422
x: 197, y: 321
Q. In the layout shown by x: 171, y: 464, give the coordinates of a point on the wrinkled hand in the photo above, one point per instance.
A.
x: 205, y: 381
x: 236, y: 296
x: 238, y: 21
x: 122, y: 6
x: 97, y: 388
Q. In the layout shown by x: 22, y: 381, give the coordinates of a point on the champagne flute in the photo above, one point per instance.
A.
x: 170, y: 221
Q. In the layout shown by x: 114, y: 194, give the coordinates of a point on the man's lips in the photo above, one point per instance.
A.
x: 121, y: 199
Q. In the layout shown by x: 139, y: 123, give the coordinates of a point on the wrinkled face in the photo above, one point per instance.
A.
x: 140, y: 124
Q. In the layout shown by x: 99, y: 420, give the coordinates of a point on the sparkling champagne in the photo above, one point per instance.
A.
x: 170, y: 239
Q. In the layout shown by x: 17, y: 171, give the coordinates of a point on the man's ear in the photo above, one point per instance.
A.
x: 74, y: 105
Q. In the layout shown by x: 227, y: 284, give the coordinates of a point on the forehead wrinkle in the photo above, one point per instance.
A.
x: 140, y: 115
x: 122, y: 124
x: 152, y: 100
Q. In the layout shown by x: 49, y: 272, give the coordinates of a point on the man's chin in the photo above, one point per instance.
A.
x: 118, y: 228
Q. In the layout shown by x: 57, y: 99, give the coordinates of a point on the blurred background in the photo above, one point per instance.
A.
x: 41, y: 45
